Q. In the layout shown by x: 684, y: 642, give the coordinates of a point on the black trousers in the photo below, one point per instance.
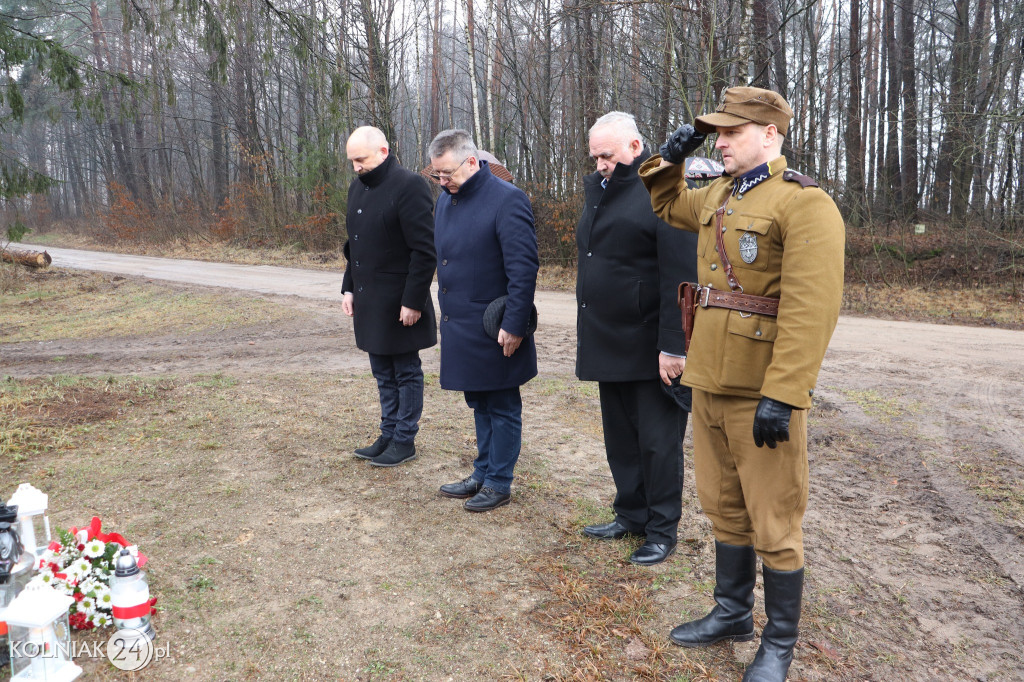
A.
x: 643, y: 438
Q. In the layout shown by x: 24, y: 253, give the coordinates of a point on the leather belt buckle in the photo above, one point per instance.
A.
x: 703, y: 296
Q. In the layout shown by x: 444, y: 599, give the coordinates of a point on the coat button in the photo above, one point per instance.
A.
x: 445, y: 290
x: 583, y: 305
x: 356, y: 237
x: 729, y: 212
x: 445, y: 318
x: 714, y: 266
x: 359, y: 210
x: 360, y: 289
x: 444, y: 262
x: 589, y: 254
x: 455, y: 202
x: 757, y: 333
x: 739, y: 196
x: 357, y: 264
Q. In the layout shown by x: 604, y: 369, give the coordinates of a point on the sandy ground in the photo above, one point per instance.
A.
x: 898, y: 525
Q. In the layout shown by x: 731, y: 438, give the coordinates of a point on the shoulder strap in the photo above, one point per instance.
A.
x: 803, y: 180
x: 719, y: 219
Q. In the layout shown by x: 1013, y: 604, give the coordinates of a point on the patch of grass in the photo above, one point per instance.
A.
x: 875, y: 405
x: 1004, y: 491
x: 91, y: 305
x: 41, y: 415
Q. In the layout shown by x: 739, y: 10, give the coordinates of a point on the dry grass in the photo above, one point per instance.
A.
x: 75, y: 305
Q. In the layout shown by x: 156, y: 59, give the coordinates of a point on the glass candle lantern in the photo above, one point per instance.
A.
x: 33, y: 523
x: 129, y: 594
x: 40, y: 636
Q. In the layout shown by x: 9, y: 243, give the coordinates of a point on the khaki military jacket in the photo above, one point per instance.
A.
x: 800, y: 240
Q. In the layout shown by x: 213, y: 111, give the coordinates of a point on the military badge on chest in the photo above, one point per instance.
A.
x: 748, y: 247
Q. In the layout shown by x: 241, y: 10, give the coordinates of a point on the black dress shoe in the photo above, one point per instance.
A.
x: 651, y: 553
x: 462, y: 489
x: 607, y: 531
x: 375, y: 449
x: 487, y: 499
x: 395, y: 454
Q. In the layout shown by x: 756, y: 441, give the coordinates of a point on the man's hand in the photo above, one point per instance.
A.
x: 771, y: 422
x: 681, y: 143
x: 670, y: 367
x: 508, y: 342
x: 408, y: 316
x: 347, y: 306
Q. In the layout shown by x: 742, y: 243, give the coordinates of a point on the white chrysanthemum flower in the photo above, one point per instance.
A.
x: 87, y: 606
x: 81, y: 567
x: 94, y: 548
x: 104, y: 600
x: 100, y: 619
x: 63, y: 587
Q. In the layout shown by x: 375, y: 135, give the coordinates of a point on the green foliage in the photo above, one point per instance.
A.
x: 16, y: 231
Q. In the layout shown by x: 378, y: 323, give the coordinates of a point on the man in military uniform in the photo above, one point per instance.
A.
x: 770, y: 268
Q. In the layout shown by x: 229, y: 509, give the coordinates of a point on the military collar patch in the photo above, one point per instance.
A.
x: 752, y: 179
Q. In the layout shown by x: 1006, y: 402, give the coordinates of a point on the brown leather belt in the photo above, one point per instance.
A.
x: 734, y: 300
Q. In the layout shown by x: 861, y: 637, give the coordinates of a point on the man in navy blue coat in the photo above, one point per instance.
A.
x: 386, y: 289
x: 486, y: 248
x: 630, y: 338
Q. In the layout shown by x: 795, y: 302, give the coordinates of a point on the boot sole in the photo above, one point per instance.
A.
x: 360, y: 455
x: 390, y: 464
x: 701, y: 645
x: 457, y: 497
x: 486, y: 509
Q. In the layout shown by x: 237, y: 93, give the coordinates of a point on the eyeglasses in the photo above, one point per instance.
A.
x: 437, y: 177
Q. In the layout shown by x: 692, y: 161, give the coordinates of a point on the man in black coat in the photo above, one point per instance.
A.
x: 386, y: 289
x: 630, y: 339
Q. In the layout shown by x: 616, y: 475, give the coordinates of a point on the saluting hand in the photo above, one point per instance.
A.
x: 681, y: 143
x: 508, y: 342
x: 408, y: 316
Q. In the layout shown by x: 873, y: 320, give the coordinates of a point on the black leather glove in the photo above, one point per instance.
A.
x: 681, y: 143
x: 771, y: 422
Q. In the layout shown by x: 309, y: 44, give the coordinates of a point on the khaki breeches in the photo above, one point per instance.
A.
x: 753, y: 496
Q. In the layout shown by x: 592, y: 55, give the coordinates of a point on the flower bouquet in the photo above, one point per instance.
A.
x: 80, y: 564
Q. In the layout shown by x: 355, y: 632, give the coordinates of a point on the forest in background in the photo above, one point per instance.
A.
x: 226, y: 119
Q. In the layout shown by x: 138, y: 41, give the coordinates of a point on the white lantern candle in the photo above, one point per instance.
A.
x: 33, y: 523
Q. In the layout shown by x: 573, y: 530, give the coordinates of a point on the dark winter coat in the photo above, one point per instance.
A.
x: 486, y: 247
x: 629, y: 267
x: 390, y: 255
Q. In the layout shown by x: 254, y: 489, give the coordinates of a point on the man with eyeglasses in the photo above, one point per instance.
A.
x: 486, y: 249
x: 386, y: 289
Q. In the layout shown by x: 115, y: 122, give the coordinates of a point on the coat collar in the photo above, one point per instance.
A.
x: 475, y: 182
x: 377, y: 175
x: 621, y: 173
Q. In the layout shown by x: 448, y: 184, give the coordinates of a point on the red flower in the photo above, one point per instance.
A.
x: 81, y: 547
x: 79, y: 621
x: 78, y: 596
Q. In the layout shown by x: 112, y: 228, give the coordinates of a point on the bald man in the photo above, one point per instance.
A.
x: 386, y: 290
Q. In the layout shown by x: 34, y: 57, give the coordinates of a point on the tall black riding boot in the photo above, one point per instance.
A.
x: 782, y: 593
x: 732, y: 618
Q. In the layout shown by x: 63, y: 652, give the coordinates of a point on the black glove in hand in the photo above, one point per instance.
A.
x: 681, y: 143
x: 771, y: 422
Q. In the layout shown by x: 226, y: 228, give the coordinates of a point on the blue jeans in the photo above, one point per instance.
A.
x: 499, y: 435
x: 400, y: 384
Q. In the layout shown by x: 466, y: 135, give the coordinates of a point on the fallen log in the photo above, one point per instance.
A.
x: 33, y: 259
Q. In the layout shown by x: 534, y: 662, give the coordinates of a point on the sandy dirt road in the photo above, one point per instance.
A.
x: 928, y: 418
